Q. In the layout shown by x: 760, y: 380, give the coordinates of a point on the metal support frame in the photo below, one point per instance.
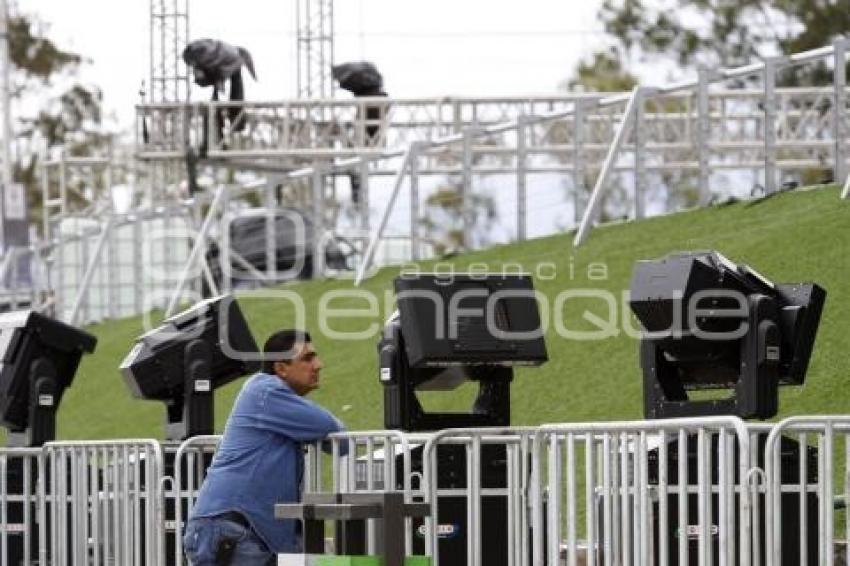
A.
x: 318, y: 207
x: 364, y: 194
x: 770, y: 67
x: 521, y: 178
x: 839, y: 111
x: 414, y: 203
x: 378, y: 233
x: 466, y: 185
x: 580, y: 109
x: 315, y: 48
x: 82, y: 294
x: 607, y: 167
x: 586, y: 141
x: 169, y: 34
x: 845, y: 194
x: 270, y: 202
x: 703, y: 135
x: 198, y: 248
x: 639, y: 155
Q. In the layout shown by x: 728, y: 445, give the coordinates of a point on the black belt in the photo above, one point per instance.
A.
x: 237, y: 518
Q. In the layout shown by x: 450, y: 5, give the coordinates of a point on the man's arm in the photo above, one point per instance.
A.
x: 286, y: 413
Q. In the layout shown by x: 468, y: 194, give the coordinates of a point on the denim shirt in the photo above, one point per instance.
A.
x: 260, y: 461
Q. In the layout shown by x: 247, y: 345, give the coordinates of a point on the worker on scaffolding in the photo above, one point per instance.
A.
x: 363, y: 80
x: 214, y: 63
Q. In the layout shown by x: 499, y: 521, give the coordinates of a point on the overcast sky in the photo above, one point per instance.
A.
x: 433, y: 48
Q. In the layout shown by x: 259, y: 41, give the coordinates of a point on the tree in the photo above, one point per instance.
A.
x: 448, y: 215
x: 603, y: 72
x: 723, y: 33
x: 70, y: 113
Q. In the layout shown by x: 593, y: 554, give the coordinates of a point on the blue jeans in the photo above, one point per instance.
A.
x: 204, y: 536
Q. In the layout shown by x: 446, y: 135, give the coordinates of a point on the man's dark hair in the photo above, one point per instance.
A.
x: 279, y: 347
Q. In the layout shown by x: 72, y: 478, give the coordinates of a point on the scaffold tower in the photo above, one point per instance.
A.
x: 169, y: 77
x: 169, y: 81
x: 315, y: 38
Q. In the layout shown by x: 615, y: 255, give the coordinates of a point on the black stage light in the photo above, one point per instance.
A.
x: 456, y: 328
x: 451, y: 329
x: 189, y: 356
x: 467, y: 319
x: 39, y: 357
x: 712, y: 324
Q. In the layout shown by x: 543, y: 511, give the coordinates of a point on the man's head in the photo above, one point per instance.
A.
x: 289, y: 354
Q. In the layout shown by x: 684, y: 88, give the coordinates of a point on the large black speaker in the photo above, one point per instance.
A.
x: 790, y: 454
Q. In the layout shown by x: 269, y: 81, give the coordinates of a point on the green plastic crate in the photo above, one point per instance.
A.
x: 368, y: 561
x: 349, y: 561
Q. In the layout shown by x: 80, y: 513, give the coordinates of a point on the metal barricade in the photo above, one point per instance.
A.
x: 496, y: 489
x: 806, y: 463
x: 356, y: 462
x: 20, y: 470
x: 367, y: 461
x: 191, y: 461
x: 628, y: 485
x: 102, y: 503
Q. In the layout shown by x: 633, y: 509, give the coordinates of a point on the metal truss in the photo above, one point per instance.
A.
x: 315, y: 47
x: 294, y: 133
x: 169, y: 29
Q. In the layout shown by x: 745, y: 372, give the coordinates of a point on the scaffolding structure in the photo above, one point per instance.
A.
x: 297, y: 153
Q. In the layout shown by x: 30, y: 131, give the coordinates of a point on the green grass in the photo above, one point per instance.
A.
x: 800, y: 236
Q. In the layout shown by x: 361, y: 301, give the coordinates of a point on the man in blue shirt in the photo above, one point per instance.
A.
x: 260, y: 460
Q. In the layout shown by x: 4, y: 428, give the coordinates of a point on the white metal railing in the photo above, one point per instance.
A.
x: 500, y: 480
x: 809, y: 491
x: 603, y: 493
x: 101, y: 503
x: 625, y: 472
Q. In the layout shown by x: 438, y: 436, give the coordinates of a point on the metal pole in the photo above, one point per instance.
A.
x: 197, y: 249
x: 580, y: 108
x: 414, y: 202
x: 318, y: 222
x: 703, y: 132
x: 466, y: 186
x: 607, y: 167
x: 770, y: 65
x: 521, y: 179
x: 378, y: 233
x: 271, y: 232
x: 89, y: 273
x: 45, y: 198
x: 63, y: 184
x: 640, y: 147
x: 839, y: 110
x: 364, y: 194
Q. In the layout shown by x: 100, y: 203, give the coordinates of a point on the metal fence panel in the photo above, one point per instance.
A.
x: 20, y: 505
x: 102, y: 502
x: 645, y: 492
x: 486, y: 471
x: 806, y: 464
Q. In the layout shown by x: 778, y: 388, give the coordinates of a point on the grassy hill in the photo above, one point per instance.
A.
x: 800, y: 236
